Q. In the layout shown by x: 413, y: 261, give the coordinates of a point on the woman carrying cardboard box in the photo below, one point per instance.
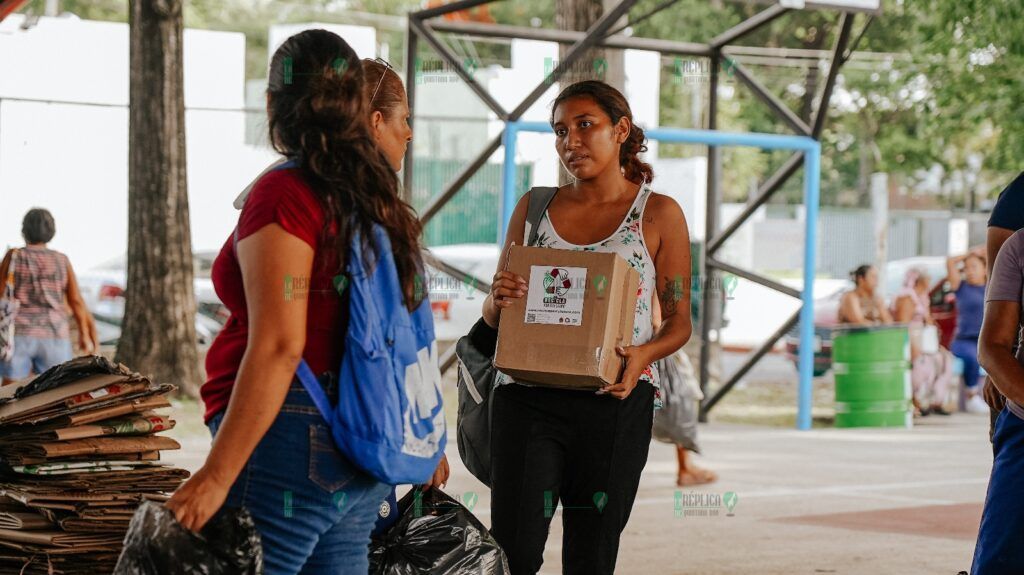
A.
x: 586, y: 449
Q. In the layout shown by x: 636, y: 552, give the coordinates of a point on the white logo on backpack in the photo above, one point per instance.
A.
x: 423, y: 391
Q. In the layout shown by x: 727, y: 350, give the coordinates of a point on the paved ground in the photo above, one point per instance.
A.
x: 898, y: 501
x: 825, y: 501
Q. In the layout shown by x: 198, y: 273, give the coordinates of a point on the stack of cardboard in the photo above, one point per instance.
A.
x: 78, y: 454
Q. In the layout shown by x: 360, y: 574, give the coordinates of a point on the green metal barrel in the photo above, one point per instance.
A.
x: 872, y: 370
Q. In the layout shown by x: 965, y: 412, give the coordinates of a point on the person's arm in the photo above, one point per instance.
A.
x: 995, y: 348
x: 849, y: 310
x: 507, y: 285
x: 87, y: 338
x: 277, y: 337
x: 1002, y: 320
x: 904, y: 314
x: 904, y: 310
x: 672, y: 278
x: 953, y: 271
x: 994, y: 241
x: 882, y: 310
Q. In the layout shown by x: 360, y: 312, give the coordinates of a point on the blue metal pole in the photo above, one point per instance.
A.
x: 812, y: 181
x: 508, y: 190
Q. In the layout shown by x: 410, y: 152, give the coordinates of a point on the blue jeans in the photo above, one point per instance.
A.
x: 1000, y: 547
x: 35, y: 355
x: 314, y: 509
x: 967, y: 350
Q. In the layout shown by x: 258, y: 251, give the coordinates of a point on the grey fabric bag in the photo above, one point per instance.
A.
x: 477, y: 373
x: 676, y: 421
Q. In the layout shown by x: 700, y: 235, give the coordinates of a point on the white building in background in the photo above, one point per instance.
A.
x: 64, y: 133
x: 64, y: 126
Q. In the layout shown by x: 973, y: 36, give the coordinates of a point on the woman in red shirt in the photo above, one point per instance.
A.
x: 280, y: 276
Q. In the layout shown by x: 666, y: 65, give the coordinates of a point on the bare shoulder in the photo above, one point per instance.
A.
x: 663, y: 210
x: 659, y: 205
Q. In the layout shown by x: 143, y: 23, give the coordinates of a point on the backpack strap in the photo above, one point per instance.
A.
x: 540, y: 198
x: 316, y: 391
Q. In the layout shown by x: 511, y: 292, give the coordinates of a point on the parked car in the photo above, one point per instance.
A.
x: 826, y: 309
x: 456, y: 305
x: 103, y: 288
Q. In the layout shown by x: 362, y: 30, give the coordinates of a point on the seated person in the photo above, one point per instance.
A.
x: 863, y: 305
x: 931, y: 370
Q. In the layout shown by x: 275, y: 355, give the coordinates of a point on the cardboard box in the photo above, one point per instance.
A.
x: 578, y: 308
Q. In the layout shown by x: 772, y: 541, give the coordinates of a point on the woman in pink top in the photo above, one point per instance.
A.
x: 45, y: 289
x: 931, y: 366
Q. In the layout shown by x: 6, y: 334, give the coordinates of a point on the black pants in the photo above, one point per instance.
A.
x: 584, y: 450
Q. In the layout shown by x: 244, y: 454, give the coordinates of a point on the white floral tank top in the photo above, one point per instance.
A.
x: 628, y: 242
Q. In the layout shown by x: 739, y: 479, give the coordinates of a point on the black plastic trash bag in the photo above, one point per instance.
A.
x: 157, y: 544
x: 435, y: 535
x: 69, y: 371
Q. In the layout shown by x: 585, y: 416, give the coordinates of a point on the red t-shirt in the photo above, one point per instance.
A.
x: 284, y: 198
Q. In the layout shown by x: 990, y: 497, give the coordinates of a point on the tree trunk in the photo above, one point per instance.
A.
x: 578, y: 15
x: 158, y: 336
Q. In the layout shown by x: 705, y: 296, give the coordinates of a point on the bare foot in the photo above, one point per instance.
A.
x: 695, y: 476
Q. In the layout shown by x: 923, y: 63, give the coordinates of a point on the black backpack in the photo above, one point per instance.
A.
x: 475, y: 354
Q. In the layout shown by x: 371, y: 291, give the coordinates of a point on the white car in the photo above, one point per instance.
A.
x: 455, y: 303
x: 103, y: 291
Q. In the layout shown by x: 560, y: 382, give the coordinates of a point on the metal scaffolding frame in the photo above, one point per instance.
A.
x: 421, y: 27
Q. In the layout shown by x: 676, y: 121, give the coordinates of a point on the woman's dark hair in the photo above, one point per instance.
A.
x: 38, y: 226
x: 318, y: 114
x: 383, y: 88
x: 861, y: 272
x: 614, y: 104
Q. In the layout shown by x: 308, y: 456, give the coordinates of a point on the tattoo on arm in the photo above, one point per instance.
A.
x: 671, y: 295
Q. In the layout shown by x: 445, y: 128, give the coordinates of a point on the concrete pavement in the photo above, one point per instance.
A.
x: 869, y: 501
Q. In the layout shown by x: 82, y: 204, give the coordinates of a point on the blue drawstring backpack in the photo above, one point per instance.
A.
x: 389, y: 419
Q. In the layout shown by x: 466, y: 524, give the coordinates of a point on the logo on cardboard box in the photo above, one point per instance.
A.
x: 556, y: 295
x: 556, y: 285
